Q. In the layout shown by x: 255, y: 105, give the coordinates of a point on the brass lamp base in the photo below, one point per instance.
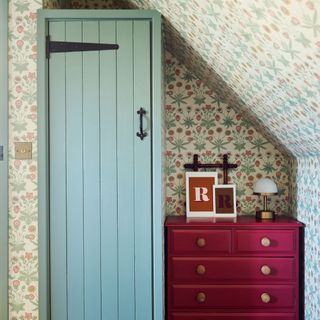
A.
x: 265, y: 215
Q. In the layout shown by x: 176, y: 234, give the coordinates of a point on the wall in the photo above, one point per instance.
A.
x: 195, y: 119
x: 23, y: 228
x: 199, y: 122
x: 306, y: 186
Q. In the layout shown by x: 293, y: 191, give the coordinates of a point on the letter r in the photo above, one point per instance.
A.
x: 201, y: 194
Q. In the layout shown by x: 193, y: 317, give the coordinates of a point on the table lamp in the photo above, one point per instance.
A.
x: 265, y: 187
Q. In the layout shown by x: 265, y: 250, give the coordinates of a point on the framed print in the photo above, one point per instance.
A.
x: 224, y: 201
x: 199, y: 193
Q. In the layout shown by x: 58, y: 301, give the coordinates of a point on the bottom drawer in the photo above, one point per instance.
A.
x: 234, y: 296
x: 232, y: 316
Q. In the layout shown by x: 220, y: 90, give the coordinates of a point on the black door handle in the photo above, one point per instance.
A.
x: 141, y: 112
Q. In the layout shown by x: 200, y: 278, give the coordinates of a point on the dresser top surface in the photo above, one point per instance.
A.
x: 243, y: 221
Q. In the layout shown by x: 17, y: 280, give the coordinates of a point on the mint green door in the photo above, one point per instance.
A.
x: 100, y: 173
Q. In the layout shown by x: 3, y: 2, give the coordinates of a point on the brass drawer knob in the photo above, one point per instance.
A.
x: 201, y: 297
x: 201, y: 242
x: 265, y: 242
x: 201, y: 269
x: 266, y: 270
x: 265, y: 298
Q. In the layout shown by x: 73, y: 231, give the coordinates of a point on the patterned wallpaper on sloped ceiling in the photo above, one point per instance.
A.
x: 199, y: 122
x: 262, y: 56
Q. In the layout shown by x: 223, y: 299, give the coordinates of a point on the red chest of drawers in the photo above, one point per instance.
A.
x: 233, y: 270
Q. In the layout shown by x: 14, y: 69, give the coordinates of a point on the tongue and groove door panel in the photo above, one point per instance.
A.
x: 100, y: 173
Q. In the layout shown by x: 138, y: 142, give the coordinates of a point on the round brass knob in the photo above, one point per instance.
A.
x: 265, y: 298
x: 265, y: 242
x: 201, y: 297
x: 201, y: 242
x: 266, y: 270
x: 201, y: 269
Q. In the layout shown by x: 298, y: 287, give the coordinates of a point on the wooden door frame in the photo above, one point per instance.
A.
x: 157, y: 148
x: 4, y: 163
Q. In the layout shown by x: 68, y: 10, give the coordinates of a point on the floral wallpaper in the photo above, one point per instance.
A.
x: 23, y: 202
x: 305, y: 173
x: 256, y: 60
x: 198, y: 121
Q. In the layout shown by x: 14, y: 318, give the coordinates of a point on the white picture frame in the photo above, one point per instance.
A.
x: 197, y: 194
x: 219, y: 208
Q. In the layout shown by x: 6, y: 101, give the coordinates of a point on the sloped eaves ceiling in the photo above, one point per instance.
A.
x: 262, y: 56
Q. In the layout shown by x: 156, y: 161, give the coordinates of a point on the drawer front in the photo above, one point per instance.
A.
x: 233, y: 296
x: 265, y: 241
x: 232, y: 316
x: 200, y: 241
x: 232, y: 269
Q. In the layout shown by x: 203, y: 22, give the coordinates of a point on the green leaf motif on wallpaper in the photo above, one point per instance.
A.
x: 259, y: 144
x: 170, y: 166
x: 241, y: 190
x: 271, y: 65
x: 228, y: 121
x: 21, y: 6
x: 287, y: 48
x: 170, y: 120
x: 179, y: 98
x: 179, y: 190
x: 219, y: 144
x: 259, y: 12
x: 217, y: 100
x: 179, y: 144
x: 285, y: 62
x: 207, y: 120
x: 169, y: 75
x: 199, y: 142
x: 17, y: 306
x: 247, y: 165
x: 20, y: 66
x: 188, y: 122
x: 28, y: 217
x: 17, y: 245
x: 312, y: 23
x: 199, y: 100
x: 239, y: 141
x: 268, y: 167
x: 29, y: 274
x: 246, y: 123
x: 247, y: 207
x: 306, y: 43
x: 188, y: 76
x: 18, y: 185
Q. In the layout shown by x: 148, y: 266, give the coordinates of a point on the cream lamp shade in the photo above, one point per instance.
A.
x: 265, y: 186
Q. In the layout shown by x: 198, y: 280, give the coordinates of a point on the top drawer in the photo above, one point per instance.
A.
x: 265, y: 241
x: 199, y: 241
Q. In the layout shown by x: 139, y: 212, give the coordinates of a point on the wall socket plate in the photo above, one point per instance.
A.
x: 23, y: 150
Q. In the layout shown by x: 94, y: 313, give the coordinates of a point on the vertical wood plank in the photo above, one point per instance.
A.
x: 109, y: 205
x: 142, y: 183
x: 91, y: 174
x: 58, y: 178
x: 74, y: 161
x: 126, y: 136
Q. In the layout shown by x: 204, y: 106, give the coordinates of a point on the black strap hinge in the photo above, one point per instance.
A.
x: 65, y: 46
